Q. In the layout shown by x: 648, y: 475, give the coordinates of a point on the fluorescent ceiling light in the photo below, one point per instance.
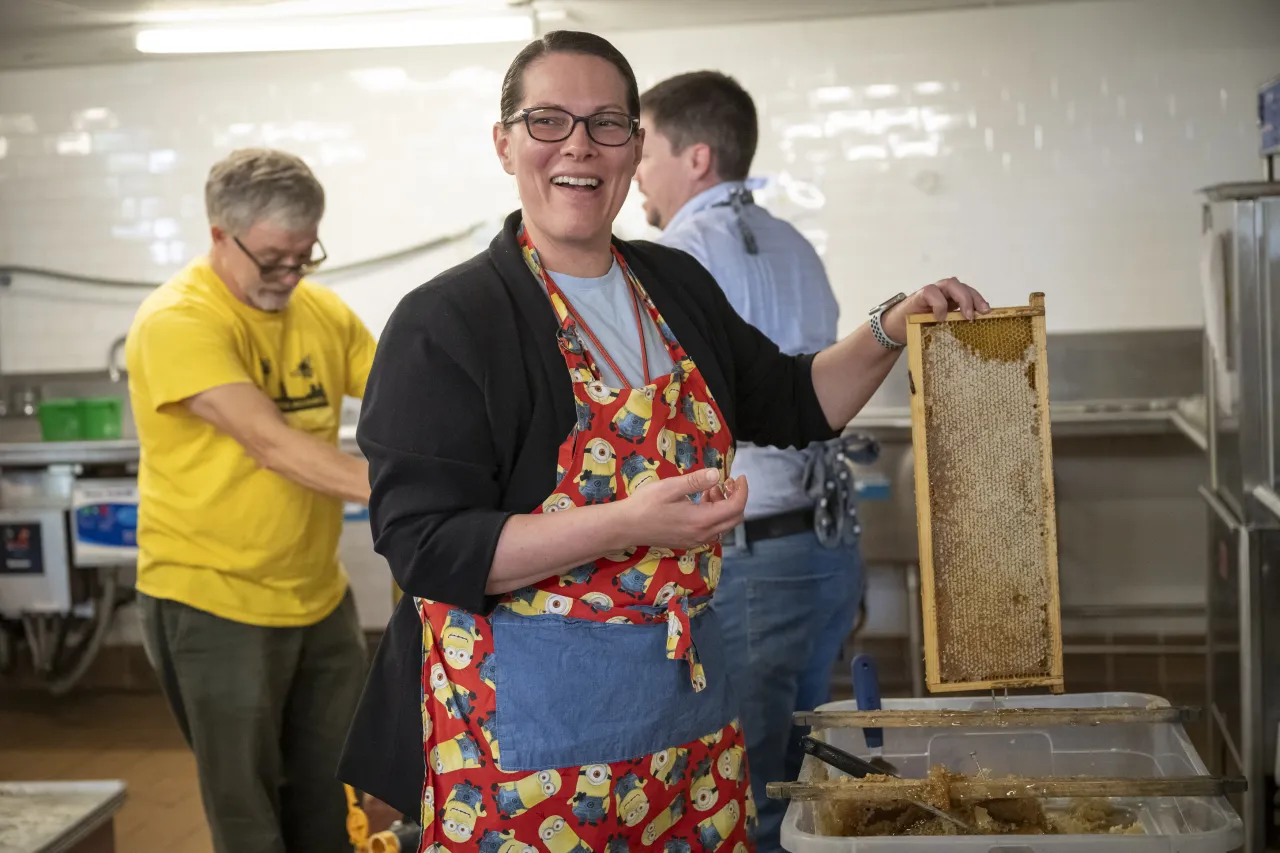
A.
x: 282, y: 9
x: 335, y: 35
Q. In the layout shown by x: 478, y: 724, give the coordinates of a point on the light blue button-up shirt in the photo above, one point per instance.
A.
x: 783, y: 291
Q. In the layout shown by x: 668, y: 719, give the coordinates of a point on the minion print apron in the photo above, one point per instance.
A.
x: 591, y: 712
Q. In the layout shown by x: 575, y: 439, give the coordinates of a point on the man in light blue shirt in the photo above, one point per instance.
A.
x: 786, y: 602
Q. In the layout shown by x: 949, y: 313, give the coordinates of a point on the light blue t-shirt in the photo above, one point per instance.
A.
x: 605, y: 305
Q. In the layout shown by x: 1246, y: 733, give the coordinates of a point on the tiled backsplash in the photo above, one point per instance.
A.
x: 1054, y: 148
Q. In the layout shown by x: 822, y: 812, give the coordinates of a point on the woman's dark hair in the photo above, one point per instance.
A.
x: 565, y: 41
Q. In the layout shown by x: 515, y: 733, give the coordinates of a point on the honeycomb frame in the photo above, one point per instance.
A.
x: 985, y: 508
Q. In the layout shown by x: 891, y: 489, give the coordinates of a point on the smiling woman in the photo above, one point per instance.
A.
x: 550, y: 432
x: 571, y: 184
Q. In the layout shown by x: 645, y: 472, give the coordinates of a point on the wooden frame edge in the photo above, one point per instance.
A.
x: 998, y: 717
x: 1040, y: 337
x: 1031, y: 310
x: 1053, y: 682
x: 924, y: 529
x: 976, y: 790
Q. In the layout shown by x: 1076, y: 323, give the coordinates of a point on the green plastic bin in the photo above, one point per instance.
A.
x: 60, y: 420
x: 101, y: 418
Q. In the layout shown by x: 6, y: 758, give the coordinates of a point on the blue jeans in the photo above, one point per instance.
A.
x: 786, y: 607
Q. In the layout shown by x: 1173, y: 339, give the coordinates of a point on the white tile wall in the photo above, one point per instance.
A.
x: 1052, y: 148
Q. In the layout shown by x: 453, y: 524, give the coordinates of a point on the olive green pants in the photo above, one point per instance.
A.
x: 266, y: 711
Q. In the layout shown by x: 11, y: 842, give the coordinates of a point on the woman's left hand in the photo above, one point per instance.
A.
x: 939, y: 298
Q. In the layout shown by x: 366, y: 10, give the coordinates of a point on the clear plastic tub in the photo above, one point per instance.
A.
x: 1185, y: 824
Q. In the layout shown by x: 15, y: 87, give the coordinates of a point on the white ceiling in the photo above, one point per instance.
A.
x: 35, y: 33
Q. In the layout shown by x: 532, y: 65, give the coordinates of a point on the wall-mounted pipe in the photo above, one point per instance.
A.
x: 104, y: 610
x: 113, y: 358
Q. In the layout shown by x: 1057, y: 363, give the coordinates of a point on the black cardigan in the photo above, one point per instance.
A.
x: 466, y: 406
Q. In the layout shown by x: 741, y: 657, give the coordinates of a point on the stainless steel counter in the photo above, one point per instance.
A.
x: 1103, y: 384
x: 58, y: 817
x: 1069, y: 419
x: 34, y: 454
x: 40, y: 454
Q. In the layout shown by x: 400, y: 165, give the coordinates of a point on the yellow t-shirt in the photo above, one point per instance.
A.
x: 216, y: 531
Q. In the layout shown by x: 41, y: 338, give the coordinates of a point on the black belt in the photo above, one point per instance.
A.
x: 777, y: 526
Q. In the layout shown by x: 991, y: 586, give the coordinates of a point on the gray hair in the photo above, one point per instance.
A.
x: 255, y: 184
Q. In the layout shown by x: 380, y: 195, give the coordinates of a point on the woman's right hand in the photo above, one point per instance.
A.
x: 535, y: 547
x: 661, y: 515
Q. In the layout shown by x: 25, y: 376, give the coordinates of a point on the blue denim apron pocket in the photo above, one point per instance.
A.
x: 571, y: 692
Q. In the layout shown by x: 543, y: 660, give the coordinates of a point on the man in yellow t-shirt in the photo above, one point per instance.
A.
x: 237, y: 372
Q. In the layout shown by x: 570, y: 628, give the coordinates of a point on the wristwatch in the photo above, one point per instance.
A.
x: 877, y: 329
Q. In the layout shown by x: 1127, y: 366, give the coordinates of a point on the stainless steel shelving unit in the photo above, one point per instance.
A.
x: 1242, y: 368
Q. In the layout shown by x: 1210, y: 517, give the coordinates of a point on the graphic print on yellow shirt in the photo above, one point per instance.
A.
x: 215, y: 530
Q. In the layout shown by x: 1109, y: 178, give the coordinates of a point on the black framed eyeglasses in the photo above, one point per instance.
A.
x: 552, y: 124
x: 278, y: 271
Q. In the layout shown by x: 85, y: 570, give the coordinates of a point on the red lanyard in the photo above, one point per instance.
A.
x: 595, y: 342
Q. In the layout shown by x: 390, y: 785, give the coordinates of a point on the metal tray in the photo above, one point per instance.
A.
x: 52, y: 817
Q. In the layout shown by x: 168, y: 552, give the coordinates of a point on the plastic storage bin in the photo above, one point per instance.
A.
x: 101, y: 418
x: 1185, y: 824
x: 60, y: 420
x: 92, y: 419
